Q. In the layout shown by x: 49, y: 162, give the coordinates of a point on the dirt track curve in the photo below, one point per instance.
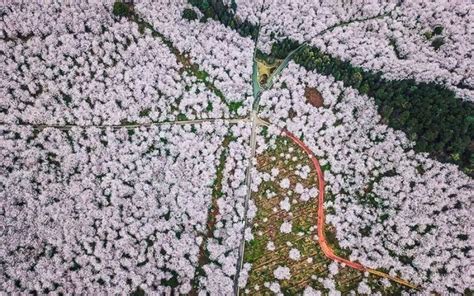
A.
x: 321, y: 218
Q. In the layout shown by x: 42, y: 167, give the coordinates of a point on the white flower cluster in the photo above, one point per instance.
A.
x: 223, y: 247
x: 105, y: 211
x: 401, y: 44
x: 282, y: 273
x: 311, y: 292
x: 91, y: 69
x: 285, y: 183
x: 306, y: 20
x: 286, y: 227
x: 222, y: 52
x: 294, y: 254
x: 396, y: 38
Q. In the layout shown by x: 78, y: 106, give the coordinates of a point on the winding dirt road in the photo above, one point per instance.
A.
x: 321, y: 219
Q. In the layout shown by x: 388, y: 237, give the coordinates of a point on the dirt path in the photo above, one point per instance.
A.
x: 128, y: 126
x: 321, y: 219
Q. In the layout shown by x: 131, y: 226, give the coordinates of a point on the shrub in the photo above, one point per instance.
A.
x: 189, y: 14
x: 437, y: 30
x: 121, y: 9
x: 437, y: 43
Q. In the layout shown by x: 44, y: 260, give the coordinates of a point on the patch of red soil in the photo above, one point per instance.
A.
x: 314, y: 97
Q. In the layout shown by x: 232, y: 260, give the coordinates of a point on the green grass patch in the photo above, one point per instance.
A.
x: 371, y: 200
x: 255, y: 249
x: 234, y: 106
x: 326, y: 167
x: 181, y: 117
x: 201, y: 75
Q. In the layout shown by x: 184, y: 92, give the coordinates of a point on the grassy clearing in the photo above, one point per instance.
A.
x: 266, y: 225
x: 265, y: 70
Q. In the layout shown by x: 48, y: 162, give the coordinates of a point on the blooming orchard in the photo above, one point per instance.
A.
x: 130, y: 133
x: 99, y: 206
x: 426, y: 41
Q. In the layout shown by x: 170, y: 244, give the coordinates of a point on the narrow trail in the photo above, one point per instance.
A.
x: 248, y: 175
x: 127, y: 126
x: 256, y: 92
x: 248, y: 181
x: 321, y: 219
